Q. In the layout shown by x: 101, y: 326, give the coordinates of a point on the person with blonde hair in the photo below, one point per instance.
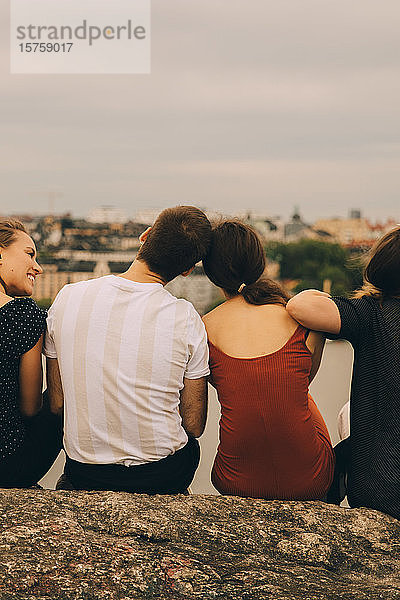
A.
x: 274, y: 443
x: 30, y: 437
x: 370, y: 321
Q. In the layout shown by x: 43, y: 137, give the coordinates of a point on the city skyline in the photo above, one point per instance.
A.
x: 265, y: 105
x: 148, y: 214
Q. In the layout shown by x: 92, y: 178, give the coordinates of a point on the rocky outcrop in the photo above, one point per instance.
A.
x: 75, y: 545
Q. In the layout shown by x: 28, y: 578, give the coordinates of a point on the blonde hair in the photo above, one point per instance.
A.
x: 8, y: 231
x: 382, y: 269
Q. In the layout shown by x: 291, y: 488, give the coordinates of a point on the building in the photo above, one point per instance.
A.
x: 80, y: 266
x: 53, y: 279
x: 354, y: 232
x: 107, y: 214
x: 196, y: 288
x: 345, y: 231
x: 147, y: 216
x: 296, y: 229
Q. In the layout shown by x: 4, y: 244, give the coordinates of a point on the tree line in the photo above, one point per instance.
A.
x: 310, y: 263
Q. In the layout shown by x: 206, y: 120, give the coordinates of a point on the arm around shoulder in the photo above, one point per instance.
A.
x: 315, y: 310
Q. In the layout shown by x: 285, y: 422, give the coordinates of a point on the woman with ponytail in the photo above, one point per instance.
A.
x: 273, y: 440
x: 30, y: 437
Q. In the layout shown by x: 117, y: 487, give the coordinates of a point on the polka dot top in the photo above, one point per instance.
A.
x: 22, y: 323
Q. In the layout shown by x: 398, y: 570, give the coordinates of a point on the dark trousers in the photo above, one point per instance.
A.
x: 338, y: 489
x: 170, y: 475
x: 31, y: 461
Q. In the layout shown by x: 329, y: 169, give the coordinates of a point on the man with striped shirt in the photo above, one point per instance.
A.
x: 127, y: 362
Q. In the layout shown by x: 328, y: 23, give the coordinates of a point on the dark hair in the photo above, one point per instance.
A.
x: 236, y: 256
x: 179, y: 238
x: 8, y: 231
x: 382, y: 271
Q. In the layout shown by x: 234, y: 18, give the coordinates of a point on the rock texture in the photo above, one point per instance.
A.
x: 75, y: 545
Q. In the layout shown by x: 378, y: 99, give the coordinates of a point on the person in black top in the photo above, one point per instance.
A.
x: 30, y: 436
x: 370, y: 321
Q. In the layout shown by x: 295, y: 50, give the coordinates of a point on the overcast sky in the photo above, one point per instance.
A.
x: 263, y: 104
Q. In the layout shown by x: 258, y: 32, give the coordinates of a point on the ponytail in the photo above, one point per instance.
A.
x: 264, y: 291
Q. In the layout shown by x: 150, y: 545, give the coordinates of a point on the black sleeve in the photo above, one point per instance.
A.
x: 27, y: 322
x: 355, y: 317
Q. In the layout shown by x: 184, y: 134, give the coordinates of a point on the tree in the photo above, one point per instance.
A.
x: 44, y: 303
x: 310, y: 262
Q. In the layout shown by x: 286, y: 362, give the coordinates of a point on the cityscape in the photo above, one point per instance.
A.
x: 106, y: 241
x: 285, y: 116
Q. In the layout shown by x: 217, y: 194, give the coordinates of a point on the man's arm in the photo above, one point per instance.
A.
x: 30, y: 380
x: 193, y: 405
x: 315, y: 310
x: 54, y: 386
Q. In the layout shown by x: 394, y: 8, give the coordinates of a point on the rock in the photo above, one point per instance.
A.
x: 77, y: 545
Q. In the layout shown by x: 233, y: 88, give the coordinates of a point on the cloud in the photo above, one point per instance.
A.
x: 295, y: 101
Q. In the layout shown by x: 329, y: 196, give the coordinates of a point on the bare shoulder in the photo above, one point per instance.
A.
x: 5, y: 299
x: 214, y: 315
x: 280, y: 316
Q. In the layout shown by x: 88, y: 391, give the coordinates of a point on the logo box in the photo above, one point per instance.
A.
x: 80, y: 36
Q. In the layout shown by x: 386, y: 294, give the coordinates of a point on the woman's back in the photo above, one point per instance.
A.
x: 373, y: 328
x: 370, y: 321
x: 273, y: 441
x: 236, y: 327
x: 21, y: 324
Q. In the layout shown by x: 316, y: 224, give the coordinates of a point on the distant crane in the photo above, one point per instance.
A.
x: 52, y: 196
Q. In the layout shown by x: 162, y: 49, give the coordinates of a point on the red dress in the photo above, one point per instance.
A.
x: 273, y: 440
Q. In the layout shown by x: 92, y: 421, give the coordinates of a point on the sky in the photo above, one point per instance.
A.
x: 263, y: 105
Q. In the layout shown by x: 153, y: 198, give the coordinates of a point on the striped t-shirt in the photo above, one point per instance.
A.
x: 123, y: 350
